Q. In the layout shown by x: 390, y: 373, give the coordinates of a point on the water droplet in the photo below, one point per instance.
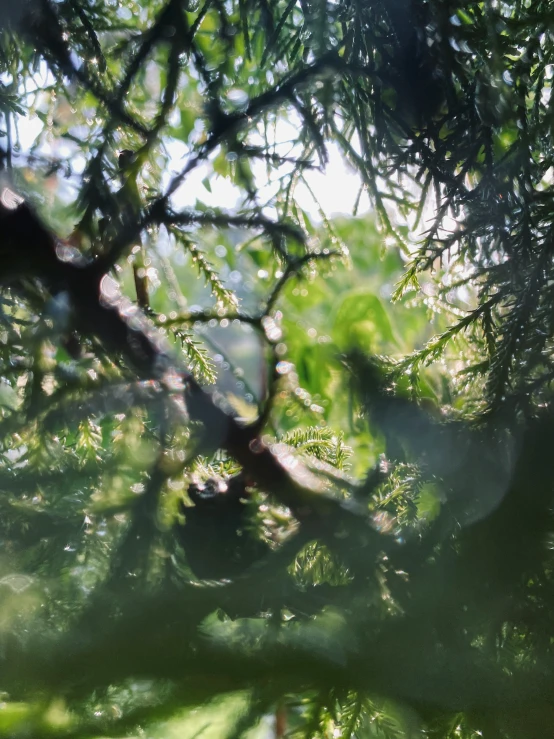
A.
x: 238, y: 97
x: 16, y: 582
x: 10, y: 199
x: 256, y: 446
x: 283, y: 368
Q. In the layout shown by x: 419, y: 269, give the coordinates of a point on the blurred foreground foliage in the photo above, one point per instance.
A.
x: 348, y: 532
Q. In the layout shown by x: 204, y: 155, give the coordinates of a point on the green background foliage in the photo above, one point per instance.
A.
x: 386, y: 568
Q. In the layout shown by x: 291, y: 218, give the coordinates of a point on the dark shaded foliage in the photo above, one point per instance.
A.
x: 418, y: 599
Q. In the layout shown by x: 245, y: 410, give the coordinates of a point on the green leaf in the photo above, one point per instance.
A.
x: 361, y: 320
x: 8, y: 396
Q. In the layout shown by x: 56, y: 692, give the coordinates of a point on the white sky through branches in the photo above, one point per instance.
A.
x: 335, y: 190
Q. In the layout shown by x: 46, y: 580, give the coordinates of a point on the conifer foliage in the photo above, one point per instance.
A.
x: 246, y: 489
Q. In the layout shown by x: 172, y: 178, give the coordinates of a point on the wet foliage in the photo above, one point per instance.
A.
x: 263, y: 470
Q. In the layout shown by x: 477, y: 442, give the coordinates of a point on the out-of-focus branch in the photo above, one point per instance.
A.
x: 32, y: 249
